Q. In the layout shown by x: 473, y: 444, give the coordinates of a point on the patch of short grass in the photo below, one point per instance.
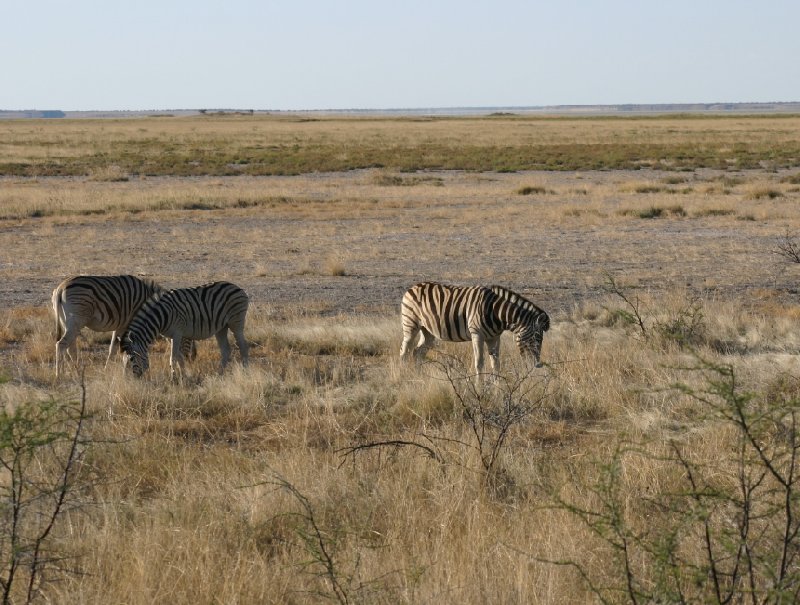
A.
x: 704, y: 212
x: 394, y: 180
x: 655, y: 212
x: 761, y: 193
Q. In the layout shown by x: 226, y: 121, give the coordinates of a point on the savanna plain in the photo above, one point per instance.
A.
x: 654, y: 457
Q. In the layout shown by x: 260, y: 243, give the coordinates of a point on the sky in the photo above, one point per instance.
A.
x: 375, y: 54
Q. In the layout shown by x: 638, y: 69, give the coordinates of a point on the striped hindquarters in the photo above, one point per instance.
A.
x: 101, y: 303
x: 448, y: 312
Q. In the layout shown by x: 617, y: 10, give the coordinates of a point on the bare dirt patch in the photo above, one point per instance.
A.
x: 347, y: 242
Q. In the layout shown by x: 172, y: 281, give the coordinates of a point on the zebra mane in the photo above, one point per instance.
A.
x: 154, y: 297
x: 156, y: 287
x: 141, y: 325
x: 516, y: 299
x: 151, y: 284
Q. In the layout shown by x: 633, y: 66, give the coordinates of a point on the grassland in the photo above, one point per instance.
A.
x: 283, y: 145
x: 244, y: 488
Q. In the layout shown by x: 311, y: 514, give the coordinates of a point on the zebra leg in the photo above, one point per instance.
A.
x: 224, y: 348
x: 408, y: 338
x: 59, y: 358
x: 176, y: 358
x: 113, y: 348
x: 426, y: 341
x: 68, y: 343
x: 189, y: 349
x: 244, y: 348
x: 477, y: 351
x: 494, y: 354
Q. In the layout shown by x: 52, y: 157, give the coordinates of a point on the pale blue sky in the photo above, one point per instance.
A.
x: 311, y: 54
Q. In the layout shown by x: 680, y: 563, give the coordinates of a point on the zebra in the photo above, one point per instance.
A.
x: 476, y: 313
x: 195, y: 313
x: 101, y: 303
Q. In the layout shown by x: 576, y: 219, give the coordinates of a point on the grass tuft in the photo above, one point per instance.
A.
x: 530, y: 189
x: 762, y: 193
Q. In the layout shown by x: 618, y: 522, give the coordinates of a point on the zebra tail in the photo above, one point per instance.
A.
x: 57, y: 309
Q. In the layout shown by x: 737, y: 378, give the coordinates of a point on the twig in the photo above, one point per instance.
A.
x: 396, y: 443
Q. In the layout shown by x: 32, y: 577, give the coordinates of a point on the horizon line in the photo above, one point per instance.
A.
x: 572, y: 107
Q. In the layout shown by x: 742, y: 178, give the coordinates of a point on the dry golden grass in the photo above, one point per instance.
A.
x: 189, y: 499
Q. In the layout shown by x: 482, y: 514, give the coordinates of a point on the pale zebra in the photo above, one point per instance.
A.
x: 478, y: 313
x: 195, y: 313
x: 101, y: 303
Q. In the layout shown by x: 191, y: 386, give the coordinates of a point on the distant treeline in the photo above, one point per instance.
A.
x: 33, y: 113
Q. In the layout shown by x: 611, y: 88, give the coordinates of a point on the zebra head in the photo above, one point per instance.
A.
x: 529, y: 338
x: 134, y: 355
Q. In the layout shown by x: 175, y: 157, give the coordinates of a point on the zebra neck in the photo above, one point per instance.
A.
x: 146, y: 328
x: 144, y: 334
x: 519, y: 321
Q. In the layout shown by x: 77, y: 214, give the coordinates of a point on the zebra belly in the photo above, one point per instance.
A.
x: 101, y: 324
x: 194, y: 335
x: 456, y: 333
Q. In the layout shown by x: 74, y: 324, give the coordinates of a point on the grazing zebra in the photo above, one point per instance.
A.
x: 101, y: 303
x: 195, y: 313
x: 478, y: 313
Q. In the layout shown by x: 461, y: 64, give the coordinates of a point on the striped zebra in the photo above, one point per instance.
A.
x: 195, y: 313
x: 478, y: 313
x: 100, y: 303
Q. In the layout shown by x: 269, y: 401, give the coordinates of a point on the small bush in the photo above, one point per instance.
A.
x: 677, y: 210
x: 649, y: 189
x: 335, y: 267
x: 652, y: 212
x: 740, y: 501
x: 529, y: 190
x: 42, y: 445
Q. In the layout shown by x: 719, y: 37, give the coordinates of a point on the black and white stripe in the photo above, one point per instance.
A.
x: 478, y: 313
x: 196, y: 313
x: 100, y: 303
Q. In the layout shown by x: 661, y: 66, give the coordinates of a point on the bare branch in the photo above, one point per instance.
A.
x: 634, y: 316
x: 788, y: 248
x: 395, y: 443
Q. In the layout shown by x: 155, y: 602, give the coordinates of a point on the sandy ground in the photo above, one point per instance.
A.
x: 556, y: 247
